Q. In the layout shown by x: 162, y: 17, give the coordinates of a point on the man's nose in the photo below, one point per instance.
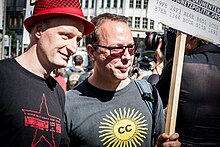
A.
x: 126, y: 54
x: 72, y: 46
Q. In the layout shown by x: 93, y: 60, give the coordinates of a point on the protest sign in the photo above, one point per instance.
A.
x: 200, y: 18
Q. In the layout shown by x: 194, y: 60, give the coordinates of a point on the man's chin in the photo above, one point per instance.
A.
x: 62, y: 65
x: 123, y: 76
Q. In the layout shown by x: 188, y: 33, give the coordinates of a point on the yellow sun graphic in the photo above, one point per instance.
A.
x: 123, y: 128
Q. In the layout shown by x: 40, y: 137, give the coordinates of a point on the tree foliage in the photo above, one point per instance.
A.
x: 14, y: 40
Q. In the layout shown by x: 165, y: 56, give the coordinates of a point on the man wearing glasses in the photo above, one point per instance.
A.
x: 107, y: 108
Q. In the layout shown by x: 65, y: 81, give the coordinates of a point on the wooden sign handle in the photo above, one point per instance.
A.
x: 175, y: 83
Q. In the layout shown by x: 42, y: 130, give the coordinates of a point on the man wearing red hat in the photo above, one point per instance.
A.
x: 31, y: 101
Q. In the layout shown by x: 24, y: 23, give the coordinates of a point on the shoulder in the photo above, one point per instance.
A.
x: 8, y: 67
x: 203, y: 54
x: 75, y: 93
x: 72, y: 94
x: 143, y: 85
x: 6, y: 63
x: 74, y: 99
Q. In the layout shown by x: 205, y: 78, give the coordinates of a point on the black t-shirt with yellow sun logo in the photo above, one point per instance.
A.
x: 110, y: 118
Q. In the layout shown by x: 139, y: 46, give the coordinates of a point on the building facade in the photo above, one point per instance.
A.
x: 11, y: 27
x: 15, y: 13
x: 135, y: 10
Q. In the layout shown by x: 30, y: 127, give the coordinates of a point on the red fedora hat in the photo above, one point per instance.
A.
x: 45, y: 9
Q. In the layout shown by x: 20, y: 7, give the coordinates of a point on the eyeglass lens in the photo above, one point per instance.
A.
x: 119, y: 51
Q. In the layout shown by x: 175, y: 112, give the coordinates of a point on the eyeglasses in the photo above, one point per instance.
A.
x: 118, y: 51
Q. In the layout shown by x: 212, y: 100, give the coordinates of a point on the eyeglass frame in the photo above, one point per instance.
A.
x: 110, y: 48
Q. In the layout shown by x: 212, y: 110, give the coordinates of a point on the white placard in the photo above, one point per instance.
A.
x: 200, y: 18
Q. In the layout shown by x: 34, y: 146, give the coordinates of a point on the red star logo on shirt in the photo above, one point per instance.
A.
x: 44, y: 123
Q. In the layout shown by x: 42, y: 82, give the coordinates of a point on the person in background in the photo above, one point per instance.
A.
x: 198, y: 117
x: 107, y: 108
x: 78, y: 62
x: 157, y: 66
x: 75, y: 71
x: 58, y: 75
x: 86, y: 74
x: 31, y: 101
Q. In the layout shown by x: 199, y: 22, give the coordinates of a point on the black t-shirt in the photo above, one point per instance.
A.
x: 31, y: 108
x: 98, y: 118
x: 198, y: 117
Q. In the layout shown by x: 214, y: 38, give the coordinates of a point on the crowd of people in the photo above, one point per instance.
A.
x: 41, y: 104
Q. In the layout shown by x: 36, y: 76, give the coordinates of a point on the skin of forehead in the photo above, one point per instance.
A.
x: 114, y: 32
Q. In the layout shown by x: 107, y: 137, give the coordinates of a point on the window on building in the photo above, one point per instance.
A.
x: 108, y: 4
x: 163, y: 26
x: 138, y: 3
x: 87, y: 4
x: 121, y: 4
x: 92, y: 6
x: 130, y: 21
x: 151, y: 24
x: 80, y: 3
x: 131, y: 4
x: 145, y: 4
x: 102, y: 3
x: 145, y: 21
x: 137, y: 22
x: 13, y: 21
x: 83, y: 41
x: 115, y: 4
x: 21, y: 22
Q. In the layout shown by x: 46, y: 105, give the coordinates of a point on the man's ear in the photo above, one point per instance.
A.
x: 38, y: 29
x: 91, y: 51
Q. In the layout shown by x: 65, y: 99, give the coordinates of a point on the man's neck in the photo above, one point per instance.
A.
x: 109, y: 85
x: 31, y: 63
